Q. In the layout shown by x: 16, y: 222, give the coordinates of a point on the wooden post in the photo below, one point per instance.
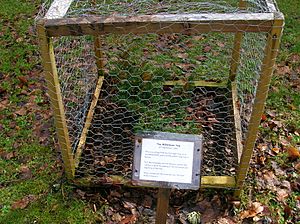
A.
x: 54, y: 92
x: 235, y: 58
x: 163, y: 197
x: 271, y: 50
x: 98, y: 54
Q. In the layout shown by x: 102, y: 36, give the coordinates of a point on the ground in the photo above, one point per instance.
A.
x: 32, y: 187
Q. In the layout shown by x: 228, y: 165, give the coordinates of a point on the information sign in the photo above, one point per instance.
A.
x: 167, y: 160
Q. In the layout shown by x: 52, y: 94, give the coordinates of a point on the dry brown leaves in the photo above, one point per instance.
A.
x: 24, y: 202
x: 253, y: 210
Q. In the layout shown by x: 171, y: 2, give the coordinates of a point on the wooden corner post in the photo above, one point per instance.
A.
x: 236, y: 51
x: 51, y: 76
x: 271, y: 50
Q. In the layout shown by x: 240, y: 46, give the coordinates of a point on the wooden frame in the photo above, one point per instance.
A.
x: 192, y: 23
x: 271, y: 50
x: 56, y: 99
x: 56, y: 24
x: 206, y: 182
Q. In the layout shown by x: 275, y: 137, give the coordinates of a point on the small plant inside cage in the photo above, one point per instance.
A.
x: 120, y: 68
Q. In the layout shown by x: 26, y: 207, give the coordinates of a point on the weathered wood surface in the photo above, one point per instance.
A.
x: 237, y: 121
x: 191, y: 23
x: 163, y: 197
x: 196, y: 83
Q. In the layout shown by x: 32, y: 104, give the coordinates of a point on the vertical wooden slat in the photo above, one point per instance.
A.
x: 163, y: 197
x: 237, y: 121
x: 54, y: 92
x: 88, y: 120
x: 271, y: 50
x: 99, y: 54
x: 235, y: 58
x: 90, y: 114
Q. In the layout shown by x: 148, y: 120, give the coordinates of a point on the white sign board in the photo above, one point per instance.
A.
x: 169, y: 160
x: 165, y: 160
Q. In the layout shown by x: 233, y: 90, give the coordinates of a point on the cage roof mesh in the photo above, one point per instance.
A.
x: 85, y: 8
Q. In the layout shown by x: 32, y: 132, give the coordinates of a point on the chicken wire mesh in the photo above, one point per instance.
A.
x: 114, y: 86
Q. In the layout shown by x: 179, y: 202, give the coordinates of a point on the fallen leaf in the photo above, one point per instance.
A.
x: 220, y: 44
x: 284, y: 142
x: 116, y: 217
x: 4, y: 104
x: 282, y: 194
x: 25, y: 173
x: 226, y: 220
x: 276, y: 150
x: 286, y: 184
x: 129, y: 219
x: 287, y: 211
x: 282, y: 70
x: 263, y: 117
x: 293, y: 152
x: 197, y: 38
x: 271, y: 114
x: 253, y: 210
x: 21, y: 111
x: 201, y: 58
x: 7, y: 155
x: 129, y: 205
x: 183, y: 55
x: 24, y: 202
x: 207, y: 49
x: 294, y: 58
x: 23, y: 79
x: 115, y: 194
x: 184, y: 66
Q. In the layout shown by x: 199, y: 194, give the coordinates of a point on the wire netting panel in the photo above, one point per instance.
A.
x: 149, y: 7
x: 172, y: 83
x: 248, y: 74
x: 78, y: 76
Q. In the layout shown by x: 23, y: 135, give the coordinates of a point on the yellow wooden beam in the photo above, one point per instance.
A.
x: 271, y: 50
x: 57, y: 106
x: 203, y: 83
x: 88, y: 121
x: 206, y: 181
x: 237, y: 121
x: 217, y: 182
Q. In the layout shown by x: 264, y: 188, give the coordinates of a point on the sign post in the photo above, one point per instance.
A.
x: 167, y: 160
x: 162, y: 205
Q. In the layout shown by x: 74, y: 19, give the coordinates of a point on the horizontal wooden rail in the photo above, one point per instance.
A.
x: 222, y: 84
x: 206, y: 181
x: 169, y: 23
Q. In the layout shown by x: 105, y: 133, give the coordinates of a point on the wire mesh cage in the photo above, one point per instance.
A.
x: 116, y: 68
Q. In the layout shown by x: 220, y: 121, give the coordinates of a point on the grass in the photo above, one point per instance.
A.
x: 284, y: 101
x: 55, y: 201
x: 20, y: 146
